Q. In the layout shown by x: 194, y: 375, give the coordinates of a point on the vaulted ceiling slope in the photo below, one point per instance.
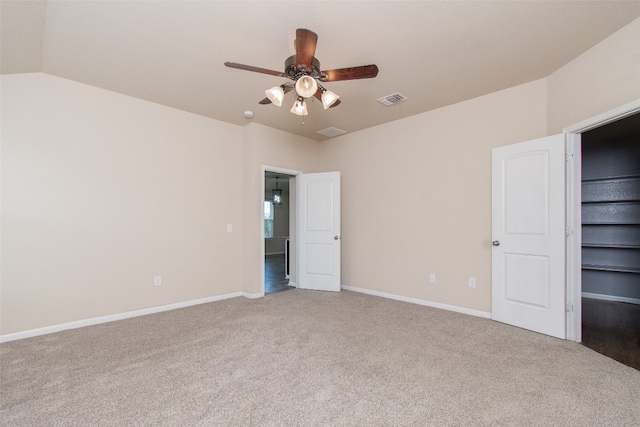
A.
x: 436, y: 53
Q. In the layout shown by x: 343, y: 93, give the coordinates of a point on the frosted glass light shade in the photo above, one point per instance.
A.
x: 306, y: 86
x: 275, y: 95
x: 328, y: 98
x: 300, y: 107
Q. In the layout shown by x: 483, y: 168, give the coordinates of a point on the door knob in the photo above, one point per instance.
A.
x: 496, y: 243
x: 335, y: 237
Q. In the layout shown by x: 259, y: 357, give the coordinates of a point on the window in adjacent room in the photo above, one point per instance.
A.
x: 268, y: 219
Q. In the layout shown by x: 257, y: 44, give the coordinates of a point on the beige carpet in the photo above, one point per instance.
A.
x: 309, y: 359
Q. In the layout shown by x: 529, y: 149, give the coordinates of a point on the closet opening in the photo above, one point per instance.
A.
x: 610, y: 298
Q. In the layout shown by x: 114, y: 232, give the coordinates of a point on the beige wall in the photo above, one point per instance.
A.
x: 100, y: 192
x: 603, y: 78
x: 266, y: 146
x: 416, y: 196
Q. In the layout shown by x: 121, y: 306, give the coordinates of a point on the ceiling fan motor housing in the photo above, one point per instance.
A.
x: 295, y: 71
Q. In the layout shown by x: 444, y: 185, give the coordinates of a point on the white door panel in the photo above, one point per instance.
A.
x: 528, y: 214
x: 525, y: 194
x: 319, y: 231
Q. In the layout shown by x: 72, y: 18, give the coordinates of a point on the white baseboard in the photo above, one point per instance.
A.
x: 610, y: 298
x: 143, y: 312
x: 455, y: 308
x: 293, y: 284
x: 252, y: 296
x: 113, y: 317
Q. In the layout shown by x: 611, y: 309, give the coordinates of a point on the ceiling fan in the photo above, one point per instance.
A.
x: 304, y: 69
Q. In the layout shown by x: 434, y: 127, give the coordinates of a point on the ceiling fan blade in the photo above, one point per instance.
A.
x: 318, y: 95
x: 255, y: 69
x: 305, y: 45
x: 286, y: 88
x: 352, y: 73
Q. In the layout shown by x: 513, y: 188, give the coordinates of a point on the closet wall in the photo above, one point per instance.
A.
x: 611, y: 211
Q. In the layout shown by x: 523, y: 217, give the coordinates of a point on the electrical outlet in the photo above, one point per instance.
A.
x: 432, y: 278
x: 157, y: 280
x: 472, y: 282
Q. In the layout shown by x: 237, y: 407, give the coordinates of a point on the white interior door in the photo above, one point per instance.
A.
x: 528, y: 216
x: 319, y: 231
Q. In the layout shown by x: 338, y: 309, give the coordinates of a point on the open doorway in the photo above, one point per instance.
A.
x: 610, y: 294
x: 278, y: 206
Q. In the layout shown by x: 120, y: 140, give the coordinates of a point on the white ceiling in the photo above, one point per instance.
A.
x: 172, y: 52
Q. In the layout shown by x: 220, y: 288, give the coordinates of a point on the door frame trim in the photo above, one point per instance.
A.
x: 573, y: 149
x: 276, y: 169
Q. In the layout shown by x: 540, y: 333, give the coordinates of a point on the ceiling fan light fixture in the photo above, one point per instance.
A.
x: 329, y: 98
x: 299, y: 107
x: 306, y: 86
x: 275, y: 95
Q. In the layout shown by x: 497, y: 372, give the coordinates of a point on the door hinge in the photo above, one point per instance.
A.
x: 568, y: 156
x: 568, y: 308
x: 568, y: 231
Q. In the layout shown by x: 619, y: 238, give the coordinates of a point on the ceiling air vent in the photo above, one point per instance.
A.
x: 393, y: 99
x: 331, y: 132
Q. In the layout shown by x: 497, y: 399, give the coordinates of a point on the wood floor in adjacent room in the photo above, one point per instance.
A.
x: 613, y: 329
x: 275, y: 279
